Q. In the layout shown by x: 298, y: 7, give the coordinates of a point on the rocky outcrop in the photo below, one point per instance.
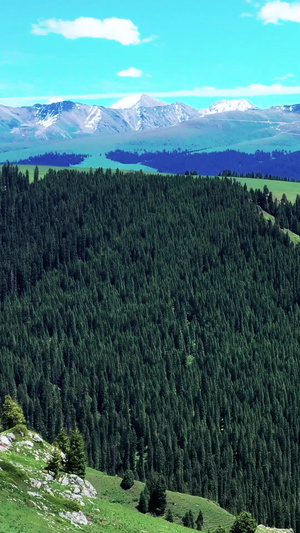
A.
x: 77, y: 487
x: 76, y: 517
x: 264, y: 529
x: 6, y: 441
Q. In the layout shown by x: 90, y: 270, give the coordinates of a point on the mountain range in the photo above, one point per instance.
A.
x: 141, y: 123
x: 66, y: 119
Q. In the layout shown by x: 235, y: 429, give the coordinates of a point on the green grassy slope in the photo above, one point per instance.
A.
x: 278, y: 188
x: 293, y: 236
x: 108, y: 488
x: 25, y: 508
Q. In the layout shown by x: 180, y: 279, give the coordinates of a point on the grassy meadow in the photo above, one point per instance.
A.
x: 278, y: 188
x: 108, y: 488
x: 27, y: 507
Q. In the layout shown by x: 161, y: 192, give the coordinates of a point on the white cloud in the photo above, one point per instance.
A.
x: 246, y: 15
x: 277, y: 11
x: 285, y: 77
x: 123, y: 31
x: 130, y: 73
x: 255, y: 89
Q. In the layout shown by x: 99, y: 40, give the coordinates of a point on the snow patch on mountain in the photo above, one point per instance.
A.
x: 93, y: 118
x: 225, y: 106
x: 48, y: 121
x: 135, y: 101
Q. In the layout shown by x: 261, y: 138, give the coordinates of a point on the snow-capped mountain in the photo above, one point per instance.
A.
x: 60, y: 120
x: 139, y: 112
x: 66, y: 120
x: 145, y: 118
x: 225, y: 106
x: 135, y: 101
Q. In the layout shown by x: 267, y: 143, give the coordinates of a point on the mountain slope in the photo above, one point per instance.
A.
x: 33, y: 502
x: 160, y: 314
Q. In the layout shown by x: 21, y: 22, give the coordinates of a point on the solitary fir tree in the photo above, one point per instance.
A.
x: 128, y: 480
x: 55, y: 462
x: 63, y: 441
x: 12, y: 413
x: 199, y: 521
x: 158, y: 498
x: 76, y: 456
x: 144, y: 501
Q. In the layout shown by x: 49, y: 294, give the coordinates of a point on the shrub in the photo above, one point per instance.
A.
x: 128, y: 480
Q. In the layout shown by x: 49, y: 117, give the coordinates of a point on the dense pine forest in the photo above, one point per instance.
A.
x: 160, y: 313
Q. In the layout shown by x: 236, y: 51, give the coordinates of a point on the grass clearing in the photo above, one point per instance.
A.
x: 108, y: 488
x: 293, y: 236
x: 290, y: 188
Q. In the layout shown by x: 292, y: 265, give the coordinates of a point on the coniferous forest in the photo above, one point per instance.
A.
x: 160, y: 314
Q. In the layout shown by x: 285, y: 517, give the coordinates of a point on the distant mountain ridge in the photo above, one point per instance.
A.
x: 68, y: 120
x: 141, y: 123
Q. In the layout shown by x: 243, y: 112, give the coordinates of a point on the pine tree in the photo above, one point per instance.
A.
x: 188, y: 520
x: 158, y: 497
x: 128, y: 480
x: 63, y: 441
x: 36, y: 174
x: 76, y: 456
x: 12, y: 413
x: 144, y: 501
x: 169, y: 516
x: 199, y: 521
x: 55, y: 461
x: 244, y: 523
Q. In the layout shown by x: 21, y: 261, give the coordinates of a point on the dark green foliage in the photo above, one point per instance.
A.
x: 144, y: 501
x: 169, y: 516
x: 220, y: 529
x: 55, y: 462
x: 244, y: 523
x: 76, y: 457
x: 157, y: 494
x: 12, y: 413
x: 63, y: 441
x: 287, y: 215
x: 128, y: 480
x: 199, y: 521
x: 188, y: 520
x: 160, y: 315
x: 36, y: 174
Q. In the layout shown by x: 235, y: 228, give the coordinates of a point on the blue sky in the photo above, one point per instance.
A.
x: 196, y: 51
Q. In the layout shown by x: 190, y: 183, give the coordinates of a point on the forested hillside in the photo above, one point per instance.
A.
x: 162, y: 314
